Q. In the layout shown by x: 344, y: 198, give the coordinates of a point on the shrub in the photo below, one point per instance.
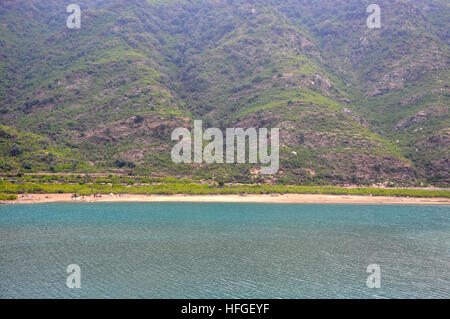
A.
x: 27, y: 165
x: 15, y: 150
x: 138, y: 119
x: 8, y: 196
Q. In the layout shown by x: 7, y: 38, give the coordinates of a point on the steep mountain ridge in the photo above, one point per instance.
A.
x: 354, y: 105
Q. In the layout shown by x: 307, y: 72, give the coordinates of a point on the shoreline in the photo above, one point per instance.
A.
x: 275, y: 199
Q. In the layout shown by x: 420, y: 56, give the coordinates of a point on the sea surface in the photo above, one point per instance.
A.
x: 209, y: 250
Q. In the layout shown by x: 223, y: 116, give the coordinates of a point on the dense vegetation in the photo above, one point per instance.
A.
x: 355, y: 106
x: 86, y: 185
x: 8, y: 196
x: 204, y: 189
x: 28, y: 152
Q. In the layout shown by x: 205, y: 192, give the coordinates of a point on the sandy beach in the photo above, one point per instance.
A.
x: 288, y: 199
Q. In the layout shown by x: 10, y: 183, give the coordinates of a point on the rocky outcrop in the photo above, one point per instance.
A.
x: 422, y: 116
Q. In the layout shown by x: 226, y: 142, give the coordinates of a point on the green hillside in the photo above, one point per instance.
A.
x: 354, y: 105
x: 27, y: 152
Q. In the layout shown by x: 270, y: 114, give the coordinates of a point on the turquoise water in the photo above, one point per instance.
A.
x: 194, y: 250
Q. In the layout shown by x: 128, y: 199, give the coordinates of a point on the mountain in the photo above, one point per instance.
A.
x: 354, y: 105
x: 26, y: 150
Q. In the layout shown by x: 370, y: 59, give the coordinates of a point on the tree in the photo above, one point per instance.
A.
x: 27, y: 165
x: 15, y: 150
